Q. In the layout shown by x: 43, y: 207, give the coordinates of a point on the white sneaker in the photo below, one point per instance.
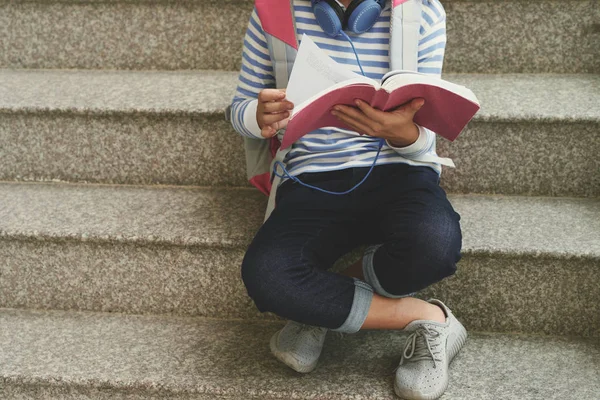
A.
x: 429, y: 349
x: 298, y: 345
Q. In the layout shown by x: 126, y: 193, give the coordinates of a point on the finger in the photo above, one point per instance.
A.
x: 270, y: 119
x: 271, y: 130
x: 353, y: 113
x: 354, y: 124
x: 411, y: 106
x: 277, y: 106
x: 268, y: 131
x: 417, y: 103
x: 374, y: 114
x: 358, y: 116
x: 266, y: 95
x: 280, y: 124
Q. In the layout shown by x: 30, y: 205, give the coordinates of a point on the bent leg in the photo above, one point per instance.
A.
x: 285, y: 269
x: 420, y: 240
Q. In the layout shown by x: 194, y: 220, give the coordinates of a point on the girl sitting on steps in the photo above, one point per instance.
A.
x: 400, y: 211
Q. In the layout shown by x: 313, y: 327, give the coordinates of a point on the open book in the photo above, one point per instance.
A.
x: 317, y: 83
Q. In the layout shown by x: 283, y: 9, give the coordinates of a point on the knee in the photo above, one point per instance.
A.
x: 256, y: 277
x: 434, y: 246
x: 266, y: 276
x: 438, y: 240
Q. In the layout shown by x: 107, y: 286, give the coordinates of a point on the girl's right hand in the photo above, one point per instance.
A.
x: 272, y: 112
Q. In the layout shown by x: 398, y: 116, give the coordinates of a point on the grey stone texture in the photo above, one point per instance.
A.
x: 483, y: 36
x: 179, y: 250
x: 522, y: 36
x: 535, y: 134
x: 530, y: 264
x: 56, y: 355
x: 161, y: 35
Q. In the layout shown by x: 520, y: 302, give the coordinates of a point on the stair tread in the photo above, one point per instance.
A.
x: 536, y: 97
x: 565, y: 227
x: 180, y: 355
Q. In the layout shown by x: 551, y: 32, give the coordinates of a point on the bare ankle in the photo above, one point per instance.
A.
x: 436, y: 314
x: 423, y: 310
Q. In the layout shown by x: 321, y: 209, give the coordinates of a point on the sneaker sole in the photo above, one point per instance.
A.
x: 461, y: 338
x: 289, y: 360
x: 455, y: 347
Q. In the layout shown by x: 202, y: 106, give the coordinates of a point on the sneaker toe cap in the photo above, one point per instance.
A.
x: 417, y: 384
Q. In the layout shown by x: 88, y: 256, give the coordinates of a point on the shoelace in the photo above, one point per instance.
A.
x: 419, y: 350
x: 314, y: 331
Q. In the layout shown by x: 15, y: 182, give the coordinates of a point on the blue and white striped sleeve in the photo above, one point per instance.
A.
x: 432, y: 45
x: 256, y: 74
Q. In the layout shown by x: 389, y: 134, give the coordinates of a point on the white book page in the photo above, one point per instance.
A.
x: 395, y: 72
x: 409, y: 78
x: 315, y: 72
x: 346, y: 83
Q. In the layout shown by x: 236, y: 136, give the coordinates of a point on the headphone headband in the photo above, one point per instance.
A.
x: 359, y: 17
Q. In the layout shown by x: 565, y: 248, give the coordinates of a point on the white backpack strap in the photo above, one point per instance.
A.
x: 279, y: 156
x: 411, y: 32
x: 405, y: 31
x: 283, y: 56
x: 279, y: 56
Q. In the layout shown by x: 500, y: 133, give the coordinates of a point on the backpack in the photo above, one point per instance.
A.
x: 277, y: 20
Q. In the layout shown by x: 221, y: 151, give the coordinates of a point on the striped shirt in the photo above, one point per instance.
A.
x: 329, y: 149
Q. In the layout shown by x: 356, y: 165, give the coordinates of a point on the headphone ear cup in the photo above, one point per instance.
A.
x: 330, y: 16
x: 361, y: 15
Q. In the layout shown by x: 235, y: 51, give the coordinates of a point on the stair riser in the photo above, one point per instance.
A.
x: 489, y: 292
x: 486, y: 37
x: 527, y: 158
x: 530, y: 158
x: 123, y: 149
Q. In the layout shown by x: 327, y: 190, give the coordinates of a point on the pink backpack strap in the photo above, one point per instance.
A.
x: 277, y: 20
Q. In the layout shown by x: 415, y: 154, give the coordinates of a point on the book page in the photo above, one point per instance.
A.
x: 398, y: 79
x: 395, y: 72
x: 344, y: 84
x: 314, y: 71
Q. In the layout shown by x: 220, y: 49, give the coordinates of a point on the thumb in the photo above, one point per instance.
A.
x: 410, y: 107
x: 416, y: 104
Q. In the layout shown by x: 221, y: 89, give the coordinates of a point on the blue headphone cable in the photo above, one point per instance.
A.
x: 354, y: 50
x: 293, y: 178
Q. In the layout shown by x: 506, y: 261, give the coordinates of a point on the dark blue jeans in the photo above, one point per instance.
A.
x: 400, y: 211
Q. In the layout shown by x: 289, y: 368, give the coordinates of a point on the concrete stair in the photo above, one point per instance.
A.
x: 505, y: 36
x: 169, y: 250
x: 125, y: 211
x: 132, y: 127
x: 82, y: 355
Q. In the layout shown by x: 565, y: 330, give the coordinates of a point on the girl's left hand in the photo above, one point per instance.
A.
x: 396, y: 126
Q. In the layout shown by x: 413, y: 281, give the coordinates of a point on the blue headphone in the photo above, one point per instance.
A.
x: 358, y: 18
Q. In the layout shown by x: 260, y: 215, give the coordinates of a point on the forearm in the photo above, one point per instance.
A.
x: 243, y: 118
x: 255, y: 75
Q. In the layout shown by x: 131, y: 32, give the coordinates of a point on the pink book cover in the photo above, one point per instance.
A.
x: 444, y: 112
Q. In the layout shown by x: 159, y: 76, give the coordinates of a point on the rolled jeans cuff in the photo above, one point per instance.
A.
x: 363, y: 295
x: 371, y: 278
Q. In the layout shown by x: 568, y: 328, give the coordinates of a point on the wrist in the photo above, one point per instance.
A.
x: 411, y: 134
x: 250, y: 119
